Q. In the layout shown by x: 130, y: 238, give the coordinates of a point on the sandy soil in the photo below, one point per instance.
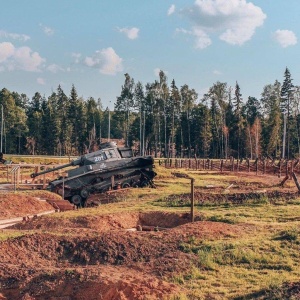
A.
x: 98, y: 257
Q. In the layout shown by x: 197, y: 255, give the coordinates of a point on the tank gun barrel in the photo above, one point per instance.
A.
x: 33, y: 175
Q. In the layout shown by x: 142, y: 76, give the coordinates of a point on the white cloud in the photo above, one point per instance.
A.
x: 23, y: 58
x: 14, y: 36
x: 54, y: 68
x: 131, y: 33
x: 202, y: 39
x: 106, y: 60
x: 6, y: 51
x: 235, y: 21
x: 285, y: 38
x: 77, y: 57
x: 171, y: 10
x: 27, y: 60
x: 41, y: 81
x: 216, y: 72
x: 47, y: 30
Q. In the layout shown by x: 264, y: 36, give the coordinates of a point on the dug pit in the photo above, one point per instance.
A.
x: 94, y: 257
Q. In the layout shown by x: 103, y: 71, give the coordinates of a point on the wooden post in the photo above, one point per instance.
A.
x: 284, y: 180
x: 248, y: 164
x: 296, y: 181
x: 256, y: 166
x: 44, y: 181
x: 264, y: 166
x: 63, y: 188
x: 112, y: 178
x: 192, y: 200
x: 18, y: 176
x: 280, y: 168
x: 221, y: 165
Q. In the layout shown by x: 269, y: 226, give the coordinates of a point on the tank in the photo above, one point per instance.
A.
x: 111, y: 167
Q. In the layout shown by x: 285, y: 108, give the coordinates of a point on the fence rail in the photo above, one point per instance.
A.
x: 19, y: 175
x: 259, y: 166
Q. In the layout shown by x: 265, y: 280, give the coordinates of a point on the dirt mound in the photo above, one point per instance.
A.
x: 108, y: 264
x: 119, y: 247
x: 106, y: 222
x: 105, y: 283
x: 17, y: 205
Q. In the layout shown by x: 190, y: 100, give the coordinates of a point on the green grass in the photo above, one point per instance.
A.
x: 254, y: 263
x: 6, y: 234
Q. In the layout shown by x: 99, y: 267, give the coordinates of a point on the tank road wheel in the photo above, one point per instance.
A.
x: 135, y: 184
x: 78, y: 201
x: 125, y: 185
x: 84, y: 193
x: 144, y: 183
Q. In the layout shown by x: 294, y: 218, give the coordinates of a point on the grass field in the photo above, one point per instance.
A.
x: 262, y: 262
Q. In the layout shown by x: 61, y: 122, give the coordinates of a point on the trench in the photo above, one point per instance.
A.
x: 111, y: 261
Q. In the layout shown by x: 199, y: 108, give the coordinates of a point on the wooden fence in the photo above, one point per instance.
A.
x: 18, y: 175
x: 259, y: 166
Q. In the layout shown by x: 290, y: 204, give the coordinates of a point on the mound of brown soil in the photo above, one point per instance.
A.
x: 103, y: 264
x: 106, y: 222
x: 15, y: 205
x: 101, y: 282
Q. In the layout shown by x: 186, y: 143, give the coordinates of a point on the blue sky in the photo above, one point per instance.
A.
x: 93, y: 43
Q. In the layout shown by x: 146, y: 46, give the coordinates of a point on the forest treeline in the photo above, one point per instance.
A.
x: 158, y: 118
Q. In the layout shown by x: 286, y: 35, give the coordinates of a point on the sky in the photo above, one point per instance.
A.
x: 93, y: 43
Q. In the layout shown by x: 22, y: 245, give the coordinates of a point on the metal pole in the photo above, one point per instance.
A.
x: 141, y: 144
x: 108, y: 124
x: 1, y: 128
x: 144, y: 125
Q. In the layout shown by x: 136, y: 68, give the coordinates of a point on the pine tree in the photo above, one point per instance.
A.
x: 218, y: 97
x: 286, y: 105
x: 175, y: 109
x: 63, y: 142
x: 34, y: 121
x: 271, y: 118
x: 188, y: 99
x: 139, y: 103
x: 124, y: 105
x: 238, y: 104
x: 73, y: 119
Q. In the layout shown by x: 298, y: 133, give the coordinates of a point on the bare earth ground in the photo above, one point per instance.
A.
x: 100, y: 256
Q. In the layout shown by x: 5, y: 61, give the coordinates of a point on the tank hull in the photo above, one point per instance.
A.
x: 101, y: 177
x: 108, y: 168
